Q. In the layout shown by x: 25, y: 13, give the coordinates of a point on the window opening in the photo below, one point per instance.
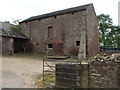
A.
x: 50, y: 45
x: 77, y: 43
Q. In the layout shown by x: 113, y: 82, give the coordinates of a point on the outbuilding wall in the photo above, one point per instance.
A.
x: 7, y: 45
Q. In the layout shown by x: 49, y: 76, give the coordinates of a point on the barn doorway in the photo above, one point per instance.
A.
x: 19, y: 45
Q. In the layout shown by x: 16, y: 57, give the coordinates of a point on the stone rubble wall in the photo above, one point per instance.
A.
x: 7, y: 45
x: 104, y: 71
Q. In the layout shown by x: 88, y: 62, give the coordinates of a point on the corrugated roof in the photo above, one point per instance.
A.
x: 79, y: 8
x: 6, y: 31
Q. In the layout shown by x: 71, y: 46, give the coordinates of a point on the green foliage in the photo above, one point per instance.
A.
x: 109, y: 35
x: 114, y: 35
x: 16, y: 26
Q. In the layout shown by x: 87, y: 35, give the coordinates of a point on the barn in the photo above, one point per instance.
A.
x: 73, y: 31
x: 12, y: 41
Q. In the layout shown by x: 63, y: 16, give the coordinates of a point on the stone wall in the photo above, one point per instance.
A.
x: 92, y: 32
x: 102, y: 72
x: 67, y: 30
x: 7, y: 45
x: 105, y: 71
x: 104, y: 75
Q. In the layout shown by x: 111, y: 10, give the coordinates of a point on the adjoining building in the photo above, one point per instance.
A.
x: 13, y: 41
x: 65, y: 32
x: 119, y: 13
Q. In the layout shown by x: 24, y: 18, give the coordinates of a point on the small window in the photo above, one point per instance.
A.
x: 77, y: 43
x: 49, y: 27
x: 36, y: 43
x: 50, y: 45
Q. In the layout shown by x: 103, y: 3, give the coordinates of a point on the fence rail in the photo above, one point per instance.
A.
x: 108, y: 48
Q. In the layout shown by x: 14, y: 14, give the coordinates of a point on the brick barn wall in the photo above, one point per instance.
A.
x: 73, y: 25
x: 67, y: 30
x: 26, y: 28
x: 92, y: 32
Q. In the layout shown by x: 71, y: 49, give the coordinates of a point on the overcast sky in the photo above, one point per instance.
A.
x: 23, y: 9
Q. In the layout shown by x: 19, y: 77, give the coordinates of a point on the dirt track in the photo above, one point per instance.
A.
x: 20, y: 72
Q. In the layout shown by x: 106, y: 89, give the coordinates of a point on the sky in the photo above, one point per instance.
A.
x: 23, y: 9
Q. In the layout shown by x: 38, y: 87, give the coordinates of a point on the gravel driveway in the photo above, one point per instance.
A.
x: 20, y: 72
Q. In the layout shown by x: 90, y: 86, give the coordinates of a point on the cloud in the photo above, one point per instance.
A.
x: 22, y: 9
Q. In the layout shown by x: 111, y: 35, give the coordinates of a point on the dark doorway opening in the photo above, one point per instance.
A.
x: 19, y: 45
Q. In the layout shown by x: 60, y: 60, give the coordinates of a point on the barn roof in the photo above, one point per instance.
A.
x: 69, y: 10
x: 6, y: 31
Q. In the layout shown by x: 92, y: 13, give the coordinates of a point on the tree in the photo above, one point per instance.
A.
x: 105, y: 24
x: 109, y: 34
x: 115, y: 36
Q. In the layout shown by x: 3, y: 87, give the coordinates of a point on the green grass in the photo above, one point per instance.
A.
x: 47, y: 80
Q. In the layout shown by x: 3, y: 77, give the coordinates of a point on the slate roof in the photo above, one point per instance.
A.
x: 6, y: 31
x: 74, y: 9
